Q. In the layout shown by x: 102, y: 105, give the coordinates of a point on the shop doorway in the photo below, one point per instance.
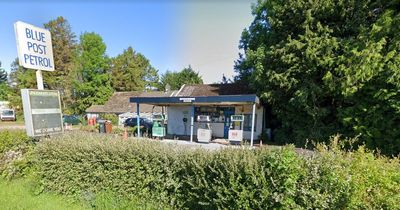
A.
x: 227, y: 115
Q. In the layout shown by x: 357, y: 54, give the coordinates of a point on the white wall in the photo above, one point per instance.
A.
x: 177, y: 127
x: 175, y: 122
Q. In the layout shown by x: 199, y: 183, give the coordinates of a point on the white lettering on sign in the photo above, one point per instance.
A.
x: 34, y: 46
x: 187, y: 100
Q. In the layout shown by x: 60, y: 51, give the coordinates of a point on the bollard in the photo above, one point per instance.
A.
x: 125, y: 134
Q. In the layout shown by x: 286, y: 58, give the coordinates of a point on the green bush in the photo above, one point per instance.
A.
x: 89, y: 128
x: 15, y: 153
x: 120, y: 131
x: 172, y: 176
x: 373, y: 180
x: 102, y: 163
x: 83, y: 120
x: 13, y: 139
x: 111, y: 117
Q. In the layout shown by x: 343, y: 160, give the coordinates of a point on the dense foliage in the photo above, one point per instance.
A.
x: 132, y: 71
x: 185, y: 178
x: 176, y: 79
x: 4, y: 89
x: 64, y: 52
x: 3, y: 75
x: 93, y: 82
x: 15, y: 151
x: 327, y: 67
x: 19, y: 188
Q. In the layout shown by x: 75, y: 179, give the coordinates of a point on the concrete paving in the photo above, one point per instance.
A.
x: 209, y: 146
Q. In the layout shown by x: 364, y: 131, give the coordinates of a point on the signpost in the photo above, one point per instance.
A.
x: 42, y: 108
x: 35, y: 50
x: 42, y: 112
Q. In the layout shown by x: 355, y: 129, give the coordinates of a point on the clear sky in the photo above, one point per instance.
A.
x: 171, y: 34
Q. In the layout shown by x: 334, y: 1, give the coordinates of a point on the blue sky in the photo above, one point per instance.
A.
x: 171, y: 34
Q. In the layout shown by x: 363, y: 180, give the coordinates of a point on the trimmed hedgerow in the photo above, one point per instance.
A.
x: 13, y: 139
x: 15, y: 153
x: 187, y: 178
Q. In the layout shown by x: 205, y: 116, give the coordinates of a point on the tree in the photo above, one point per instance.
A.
x: 4, y: 89
x: 132, y: 71
x: 21, y: 77
x: 177, y: 79
x: 3, y: 75
x: 93, y: 83
x: 326, y: 67
x: 64, y: 53
x: 225, y: 80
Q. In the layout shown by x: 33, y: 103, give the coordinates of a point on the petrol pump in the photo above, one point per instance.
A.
x: 204, y: 131
x: 236, y: 129
x: 158, y: 129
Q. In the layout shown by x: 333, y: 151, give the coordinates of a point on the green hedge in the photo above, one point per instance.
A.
x: 182, y: 178
x: 15, y: 153
x: 13, y: 139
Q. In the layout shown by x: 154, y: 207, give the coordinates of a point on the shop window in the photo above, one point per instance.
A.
x: 247, y: 122
x: 217, y: 114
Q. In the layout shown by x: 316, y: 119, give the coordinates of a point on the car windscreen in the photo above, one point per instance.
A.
x: 7, y: 112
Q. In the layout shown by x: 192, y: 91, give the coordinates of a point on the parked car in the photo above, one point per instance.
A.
x: 132, y: 122
x: 145, y: 124
x: 71, y: 119
x: 8, y: 114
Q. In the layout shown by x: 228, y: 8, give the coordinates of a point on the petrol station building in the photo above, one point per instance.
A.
x: 218, y: 101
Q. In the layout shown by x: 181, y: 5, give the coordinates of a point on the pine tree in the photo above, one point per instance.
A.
x: 64, y: 53
x: 3, y: 75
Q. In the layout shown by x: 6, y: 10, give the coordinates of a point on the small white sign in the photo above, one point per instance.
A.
x: 34, y: 46
x: 187, y: 100
x: 235, y: 135
x: 237, y: 118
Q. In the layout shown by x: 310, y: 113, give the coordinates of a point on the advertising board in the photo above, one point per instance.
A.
x: 42, y: 112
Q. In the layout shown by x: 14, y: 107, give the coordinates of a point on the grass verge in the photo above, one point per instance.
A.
x: 18, y: 194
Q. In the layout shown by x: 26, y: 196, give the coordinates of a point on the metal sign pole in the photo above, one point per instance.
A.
x: 191, y: 123
x: 253, y: 116
x: 39, y: 80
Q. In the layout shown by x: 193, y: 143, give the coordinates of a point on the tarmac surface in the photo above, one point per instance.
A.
x: 207, y: 146
x: 11, y: 125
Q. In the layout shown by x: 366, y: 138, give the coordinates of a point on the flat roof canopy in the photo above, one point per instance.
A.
x: 198, y: 100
